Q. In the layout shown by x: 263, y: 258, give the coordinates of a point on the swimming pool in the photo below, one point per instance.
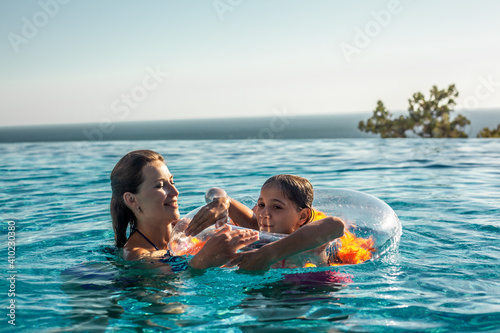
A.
x: 444, y: 276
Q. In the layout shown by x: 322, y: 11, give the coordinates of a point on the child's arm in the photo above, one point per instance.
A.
x: 308, y: 237
x: 242, y: 215
x: 218, y: 210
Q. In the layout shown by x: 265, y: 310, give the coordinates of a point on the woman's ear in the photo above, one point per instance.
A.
x: 304, y: 216
x: 131, y: 201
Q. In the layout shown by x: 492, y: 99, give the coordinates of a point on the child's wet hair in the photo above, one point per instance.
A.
x: 297, y: 189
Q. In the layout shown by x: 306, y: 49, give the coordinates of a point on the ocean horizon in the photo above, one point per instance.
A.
x: 264, y: 127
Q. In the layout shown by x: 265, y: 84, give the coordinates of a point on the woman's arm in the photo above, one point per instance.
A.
x: 222, y: 247
x: 218, y: 210
x: 308, y: 237
x: 208, y: 215
x: 218, y: 250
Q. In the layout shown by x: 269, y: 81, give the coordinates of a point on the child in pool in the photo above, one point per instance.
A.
x: 284, y: 206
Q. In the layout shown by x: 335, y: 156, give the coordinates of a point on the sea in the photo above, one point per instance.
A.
x: 279, y: 125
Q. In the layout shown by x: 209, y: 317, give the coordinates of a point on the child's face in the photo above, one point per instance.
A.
x: 276, y: 213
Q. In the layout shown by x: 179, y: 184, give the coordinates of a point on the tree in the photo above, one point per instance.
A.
x: 427, y: 118
x: 487, y: 133
x: 381, y: 122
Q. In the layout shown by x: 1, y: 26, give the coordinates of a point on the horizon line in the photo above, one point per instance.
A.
x: 194, y: 119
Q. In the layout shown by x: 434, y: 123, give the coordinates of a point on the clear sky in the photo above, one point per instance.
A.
x: 74, y: 61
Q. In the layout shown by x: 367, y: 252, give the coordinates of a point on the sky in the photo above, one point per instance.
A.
x: 76, y: 61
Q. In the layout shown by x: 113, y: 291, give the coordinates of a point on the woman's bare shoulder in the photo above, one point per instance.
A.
x: 134, y: 253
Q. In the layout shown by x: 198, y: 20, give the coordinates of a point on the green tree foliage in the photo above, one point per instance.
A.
x: 427, y: 118
x: 382, y: 122
x: 487, y: 133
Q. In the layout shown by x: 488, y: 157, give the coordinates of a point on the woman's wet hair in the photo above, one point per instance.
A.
x: 297, y: 189
x: 127, y: 176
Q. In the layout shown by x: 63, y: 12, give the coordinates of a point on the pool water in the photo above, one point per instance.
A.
x: 444, y: 277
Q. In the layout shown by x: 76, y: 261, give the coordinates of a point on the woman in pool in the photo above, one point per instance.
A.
x: 284, y: 206
x: 144, y: 196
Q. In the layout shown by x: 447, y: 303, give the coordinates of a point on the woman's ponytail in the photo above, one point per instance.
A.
x: 121, y: 217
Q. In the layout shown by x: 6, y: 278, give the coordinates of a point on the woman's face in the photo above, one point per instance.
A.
x: 276, y: 213
x: 157, y: 196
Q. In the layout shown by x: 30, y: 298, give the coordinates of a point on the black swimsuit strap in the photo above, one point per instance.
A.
x: 150, y: 242
x: 177, y: 263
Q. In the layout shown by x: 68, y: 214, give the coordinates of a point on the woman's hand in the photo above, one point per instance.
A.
x: 254, y: 260
x: 222, y: 247
x: 215, y: 211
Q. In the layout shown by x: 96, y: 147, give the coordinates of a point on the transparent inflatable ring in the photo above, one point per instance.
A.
x: 372, y: 228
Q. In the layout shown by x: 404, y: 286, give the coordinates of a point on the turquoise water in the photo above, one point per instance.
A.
x: 444, y: 277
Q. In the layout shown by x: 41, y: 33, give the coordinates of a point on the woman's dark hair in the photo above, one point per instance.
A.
x: 297, y: 189
x: 127, y: 176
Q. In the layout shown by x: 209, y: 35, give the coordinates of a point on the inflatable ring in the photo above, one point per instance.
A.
x: 372, y: 228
